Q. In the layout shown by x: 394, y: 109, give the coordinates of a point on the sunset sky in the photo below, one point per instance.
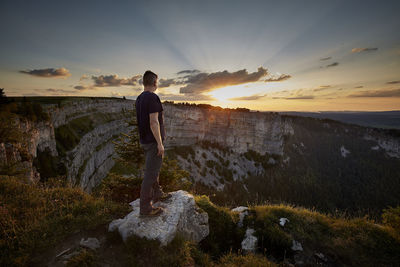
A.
x: 263, y: 55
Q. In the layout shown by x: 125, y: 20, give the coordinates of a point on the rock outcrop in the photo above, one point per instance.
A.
x: 180, y: 215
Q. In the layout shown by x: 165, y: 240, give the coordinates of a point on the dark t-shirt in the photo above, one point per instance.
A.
x: 146, y: 103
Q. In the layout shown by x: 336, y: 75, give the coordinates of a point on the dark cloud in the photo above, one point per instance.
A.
x: 360, y: 86
x: 359, y: 50
x: 51, y: 90
x: 378, y: 93
x: 278, y: 79
x: 48, y: 73
x: 205, y: 82
x: 114, y: 80
x: 332, y: 65
x: 165, y: 82
x: 246, y: 98
x: 393, y: 82
x: 325, y: 58
x: 186, y: 97
x: 83, y: 87
x: 187, y: 72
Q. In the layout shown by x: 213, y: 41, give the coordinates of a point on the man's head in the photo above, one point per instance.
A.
x: 150, y: 81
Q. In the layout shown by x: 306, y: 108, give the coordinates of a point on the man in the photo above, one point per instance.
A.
x: 149, y: 112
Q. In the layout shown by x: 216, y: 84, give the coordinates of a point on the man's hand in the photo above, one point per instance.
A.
x: 160, y: 148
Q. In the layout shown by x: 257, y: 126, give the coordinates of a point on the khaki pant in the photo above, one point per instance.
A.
x: 150, y: 188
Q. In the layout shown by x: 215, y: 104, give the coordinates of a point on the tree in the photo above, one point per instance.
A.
x: 3, y: 97
x: 128, y: 146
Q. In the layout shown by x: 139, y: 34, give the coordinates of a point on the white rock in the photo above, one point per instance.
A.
x: 249, y: 243
x: 91, y: 242
x: 242, y: 213
x: 344, y: 151
x: 282, y: 221
x: 375, y: 148
x: 180, y: 215
x: 296, y: 246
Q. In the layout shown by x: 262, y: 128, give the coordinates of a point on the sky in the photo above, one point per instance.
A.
x: 263, y: 55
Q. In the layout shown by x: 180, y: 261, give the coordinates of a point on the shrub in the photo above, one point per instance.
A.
x: 118, y: 188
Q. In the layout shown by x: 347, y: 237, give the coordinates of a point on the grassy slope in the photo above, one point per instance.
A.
x: 35, y: 218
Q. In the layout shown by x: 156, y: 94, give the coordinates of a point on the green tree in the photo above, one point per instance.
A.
x: 128, y: 146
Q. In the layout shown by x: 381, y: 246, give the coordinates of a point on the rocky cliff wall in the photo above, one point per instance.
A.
x: 240, y: 131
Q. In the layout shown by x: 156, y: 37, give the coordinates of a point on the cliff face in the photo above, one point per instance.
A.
x: 89, y: 161
x: 80, y: 134
x: 240, y: 131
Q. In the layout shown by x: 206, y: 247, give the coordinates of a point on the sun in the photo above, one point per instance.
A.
x: 226, y: 93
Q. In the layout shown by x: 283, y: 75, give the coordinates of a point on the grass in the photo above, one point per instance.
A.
x: 356, y: 241
x: 34, y: 218
x: 224, y: 234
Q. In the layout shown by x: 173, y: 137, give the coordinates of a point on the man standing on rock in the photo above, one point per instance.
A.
x: 149, y: 112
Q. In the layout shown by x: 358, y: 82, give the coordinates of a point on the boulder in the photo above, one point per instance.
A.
x: 249, y: 243
x: 180, y: 215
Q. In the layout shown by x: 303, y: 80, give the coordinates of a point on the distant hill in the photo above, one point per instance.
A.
x: 383, y: 119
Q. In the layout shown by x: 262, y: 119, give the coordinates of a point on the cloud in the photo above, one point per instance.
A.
x: 247, y: 98
x: 322, y: 87
x: 48, y: 73
x: 393, y: 82
x: 83, y: 87
x: 359, y: 50
x: 51, y: 90
x: 205, y: 82
x: 378, y: 93
x: 187, y: 72
x: 186, y: 97
x: 83, y: 77
x: 325, y: 58
x: 360, y: 86
x: 296, y: 97
x: 166, y: 83
x: 332, y: 65
x: 282, y: 77
x: 114, y: 80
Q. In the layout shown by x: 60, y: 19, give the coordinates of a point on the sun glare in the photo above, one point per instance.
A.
x: 226, y: 93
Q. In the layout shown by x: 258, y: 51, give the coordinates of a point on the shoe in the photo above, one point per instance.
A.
x: 163, y: 197
x: 153, y: 212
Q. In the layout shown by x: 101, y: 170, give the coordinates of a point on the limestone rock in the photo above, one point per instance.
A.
x: 91, y: 242
x: 283, y: 221
x: 249, y: 243
x: 180, y: 215
x: 296, y: 246
x: 242, y: 213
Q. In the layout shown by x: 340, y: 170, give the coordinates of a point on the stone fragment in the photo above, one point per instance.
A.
x: 91, y: 242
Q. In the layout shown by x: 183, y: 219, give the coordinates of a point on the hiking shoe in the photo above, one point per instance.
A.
x: 153, y: 212
x: 163, y: 197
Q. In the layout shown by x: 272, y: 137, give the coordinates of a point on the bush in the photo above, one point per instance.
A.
x: 118, y: 188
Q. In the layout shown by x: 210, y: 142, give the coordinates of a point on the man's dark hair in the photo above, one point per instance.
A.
x: 149, y: 78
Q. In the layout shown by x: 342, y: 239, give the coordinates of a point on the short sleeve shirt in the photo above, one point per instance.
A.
x: 146, y: 103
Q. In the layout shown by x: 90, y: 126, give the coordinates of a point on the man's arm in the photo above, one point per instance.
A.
x: 155, y: 129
